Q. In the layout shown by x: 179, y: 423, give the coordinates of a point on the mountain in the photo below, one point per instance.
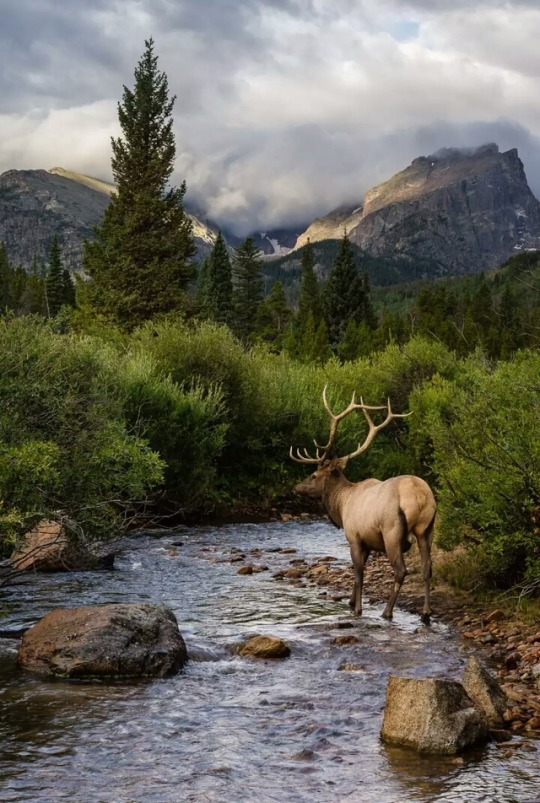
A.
x: 37, y: 204
x: 460, y: 211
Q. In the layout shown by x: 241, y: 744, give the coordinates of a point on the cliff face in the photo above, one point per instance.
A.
x: 37, y: 204
x: 459, y: 211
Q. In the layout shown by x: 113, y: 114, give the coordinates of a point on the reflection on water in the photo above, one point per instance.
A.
x: 228, y: 729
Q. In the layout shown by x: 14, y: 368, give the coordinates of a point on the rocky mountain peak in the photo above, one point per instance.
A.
x: 461, y: 210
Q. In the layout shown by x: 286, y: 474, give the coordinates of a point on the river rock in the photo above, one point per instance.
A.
x: 485, y: 692
x: 265, y: 647
x: 125, y: 640
x: 431, y: 715
x: 47, y: 548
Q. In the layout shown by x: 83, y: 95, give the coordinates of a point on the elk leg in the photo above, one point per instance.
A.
x: 359, y: 556
x: 400, y: 572
x: 425, y: 555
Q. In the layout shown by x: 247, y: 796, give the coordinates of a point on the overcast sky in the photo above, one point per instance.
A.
x: 285, y: 108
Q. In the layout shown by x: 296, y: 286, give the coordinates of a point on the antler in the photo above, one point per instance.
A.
x: 334, y: 421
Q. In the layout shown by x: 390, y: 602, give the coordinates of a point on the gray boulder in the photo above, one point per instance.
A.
x: 485, y: 692
x: 431, y: 715
x: 105, y: 641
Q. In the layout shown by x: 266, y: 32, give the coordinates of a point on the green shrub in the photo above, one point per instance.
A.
x: 184, y: 425
x: 64, y: 446
x: 486, y: 454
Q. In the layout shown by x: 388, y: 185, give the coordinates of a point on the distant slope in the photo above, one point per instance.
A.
x: 35, y: 205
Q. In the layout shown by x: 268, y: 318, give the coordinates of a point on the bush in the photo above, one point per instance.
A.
x: 184, y: 425
x: 486, y: 455
x: 64, y: 446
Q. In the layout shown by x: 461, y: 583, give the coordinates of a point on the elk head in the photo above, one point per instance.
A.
x: 331, y: 469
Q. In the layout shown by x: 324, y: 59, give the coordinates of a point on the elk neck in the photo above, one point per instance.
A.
x: 336, y: 489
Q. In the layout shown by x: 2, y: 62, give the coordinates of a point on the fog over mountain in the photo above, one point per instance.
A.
x: 285, y: 108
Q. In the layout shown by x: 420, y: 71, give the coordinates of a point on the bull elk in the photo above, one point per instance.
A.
x: 375, y: 515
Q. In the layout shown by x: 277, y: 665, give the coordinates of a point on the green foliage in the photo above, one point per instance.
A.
x: 485, y: 432
x: 217, y: 283
x: 58, y: 286
x: 274, y: 318
x: 184, y: 425
x: 343, y: 297
x: 248, y: 290
x: 64, y: 446
x: 140, y: 261
x: 5, y: 279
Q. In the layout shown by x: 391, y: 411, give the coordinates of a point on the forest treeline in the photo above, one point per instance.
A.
x: 155, y: 392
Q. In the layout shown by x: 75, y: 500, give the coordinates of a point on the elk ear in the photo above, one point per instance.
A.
x: 341, y: 463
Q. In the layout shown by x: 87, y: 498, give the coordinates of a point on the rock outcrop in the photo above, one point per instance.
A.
x: 35, y: 205
x: 431, y: 715
x: 105, y: 641
x: 456, y: 212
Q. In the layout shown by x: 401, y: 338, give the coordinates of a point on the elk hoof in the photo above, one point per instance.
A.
x: 426, y: 618
x: 387, y: 615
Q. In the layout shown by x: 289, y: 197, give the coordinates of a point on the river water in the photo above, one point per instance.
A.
x: 229, y: 729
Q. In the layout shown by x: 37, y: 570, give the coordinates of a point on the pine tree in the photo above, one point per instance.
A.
x: 5, y: 279
x: 140, y: 261
x: 343, y: 297
x: 274, y: 317
x: 309, y: 301
x: 219, y: 282
x: 248, y: 289
x: 54, y: 284
x: 68, y: 286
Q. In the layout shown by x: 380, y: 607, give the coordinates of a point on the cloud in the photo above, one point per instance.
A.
x: 285, y: 108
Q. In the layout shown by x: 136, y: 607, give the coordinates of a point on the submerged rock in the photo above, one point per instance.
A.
x: 432, y: 716
x: 105, y: 641
x: 264, y: 647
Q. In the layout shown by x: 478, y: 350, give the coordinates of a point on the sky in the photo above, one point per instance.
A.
x: 285, y: 109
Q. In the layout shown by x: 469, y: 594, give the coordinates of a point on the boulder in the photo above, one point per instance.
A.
x: 47, y: 548
x: 431, y: 715
x: 105, y: 641
x: 264, y: 647
x: 485, y: 692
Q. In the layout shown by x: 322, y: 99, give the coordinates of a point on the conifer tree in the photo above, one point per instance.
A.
x: 248, y: 289
x: 343, y: 297
x: 219, y: 282
x: 140, y: 262
x: 5, y: 279
x: 274, y: 317
x: 309, y: 300
x: 54, y: 284
x: 68, y: 288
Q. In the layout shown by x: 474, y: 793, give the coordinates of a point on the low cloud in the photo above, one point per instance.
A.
x: 285, y: 108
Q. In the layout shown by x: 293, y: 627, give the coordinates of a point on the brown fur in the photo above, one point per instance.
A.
x: 379, y: 516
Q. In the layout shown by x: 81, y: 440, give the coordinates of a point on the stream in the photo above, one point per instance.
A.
x: 229, y: 729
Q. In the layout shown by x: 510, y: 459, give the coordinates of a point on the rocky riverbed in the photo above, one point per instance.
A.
x: 508, y: 644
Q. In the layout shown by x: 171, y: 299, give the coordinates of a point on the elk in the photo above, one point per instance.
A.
x: 380, y: 516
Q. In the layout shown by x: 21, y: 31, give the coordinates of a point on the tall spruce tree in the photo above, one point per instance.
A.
x: 218, y: 281
x: 248, y: 289
x: 5, y: 279
x: 343, y: 297
x: 55, y: 290
x: 274, y: 317
x: 309, y: 301
x: 140, y: 262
